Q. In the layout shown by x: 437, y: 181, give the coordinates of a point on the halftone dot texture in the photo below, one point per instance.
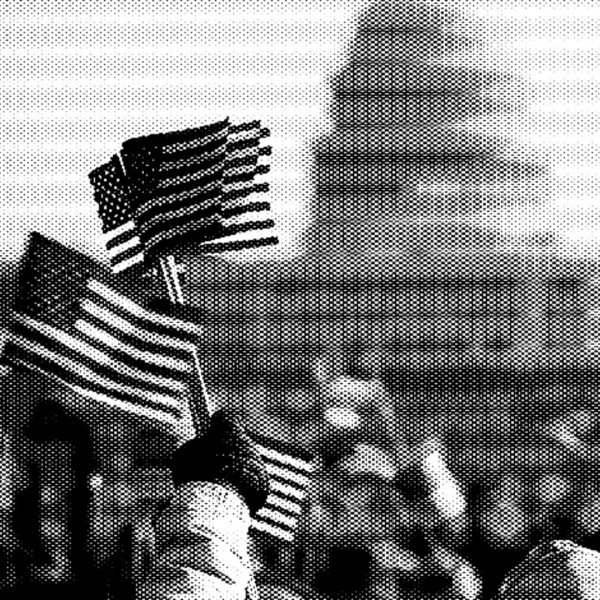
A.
x: 112, y: 193
x: 437, y: 344
x: 244, y: 222
x: 177, y: 180
x: 224, y: 453
x: 556, y: 569
x: 195, y: 187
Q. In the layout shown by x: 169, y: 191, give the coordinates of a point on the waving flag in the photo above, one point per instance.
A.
x: 113, y: 196
x: 290, y: 470
x: 176, y: 181
x: 192, y: 186
x: 243, y: 221
x: 71, y: 325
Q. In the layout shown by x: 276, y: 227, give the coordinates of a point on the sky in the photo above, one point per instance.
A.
x: 79, y: 78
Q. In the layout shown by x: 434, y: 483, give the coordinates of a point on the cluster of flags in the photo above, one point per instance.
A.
x: 194, y: 187
x: 79, y: 324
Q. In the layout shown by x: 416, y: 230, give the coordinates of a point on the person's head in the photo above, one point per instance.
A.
x: 552, y: 571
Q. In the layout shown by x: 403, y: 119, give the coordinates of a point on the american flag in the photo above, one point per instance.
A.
x: 113, y: 196
x: 193, y: 185
x: 176, y: 180
x: 290, y: 470
x: 72, y: 325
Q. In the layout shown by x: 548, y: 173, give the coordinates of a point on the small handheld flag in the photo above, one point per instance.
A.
x: 289, y: 469
x: 244, y: 222
x: 194, y: 186
x: 176, y: 180
x: 73, y: 326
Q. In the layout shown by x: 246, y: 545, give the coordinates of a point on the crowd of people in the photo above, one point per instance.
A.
x: 386, y: 518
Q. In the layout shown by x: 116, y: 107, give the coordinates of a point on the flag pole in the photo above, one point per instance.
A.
x: 200, y: 401
x: 200, y: 413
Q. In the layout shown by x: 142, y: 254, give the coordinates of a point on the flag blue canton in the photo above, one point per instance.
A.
x: 196, y: 186
x: 113, y: 196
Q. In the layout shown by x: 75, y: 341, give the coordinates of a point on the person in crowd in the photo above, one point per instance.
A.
x: 200, y: 546
x: 197, y: 547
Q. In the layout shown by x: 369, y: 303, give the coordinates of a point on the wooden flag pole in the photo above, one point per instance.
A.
x: 199, y: 402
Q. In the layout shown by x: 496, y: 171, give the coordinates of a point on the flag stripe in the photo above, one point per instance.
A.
x: 195, y: 184
x: 233, y: 211
x: 185, y: 183
x: 289, y: 471
x: 206, y: 157
x: 159, y: 362
x: 125, y: 262
x: 123, y: 245
x: 144, y: 160
x: 210, y: 171
x: 285, y: 489
x: 281, y: 458
x: 110, y: 237
x: 172, y: 325
x: 277, y: 517
x: 155, y: 205
x: 189, y: 232
x: 241, y: 128
x: 245, y: 191
x: 285, y: 505
x: 277, y: 529
x: 234, y: 246
x: 272, y: 530
x: 241, y: 162
x: 251, y: 159
x: 105, y: 342
x: 197, y: 144
x: 247, y: 174
x: 150, y: 357
x: 86, y: 377
x: 176, y: 215
x: 286, y: 486
x: 130, y: 333
x: 71, y: 325
x: 176, y: 141
x: 128, y: 257
x: 76, y: 350
x: 18, y: 356
x: 242, y: 223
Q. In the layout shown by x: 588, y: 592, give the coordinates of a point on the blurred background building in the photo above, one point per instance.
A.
x: 429, y: 327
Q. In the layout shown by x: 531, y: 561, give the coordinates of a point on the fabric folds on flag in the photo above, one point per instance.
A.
x: 73, y: 325
x: 176, y: 180
x: 244, y: 222
x: 196, y: 186
x: 290, y: 470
